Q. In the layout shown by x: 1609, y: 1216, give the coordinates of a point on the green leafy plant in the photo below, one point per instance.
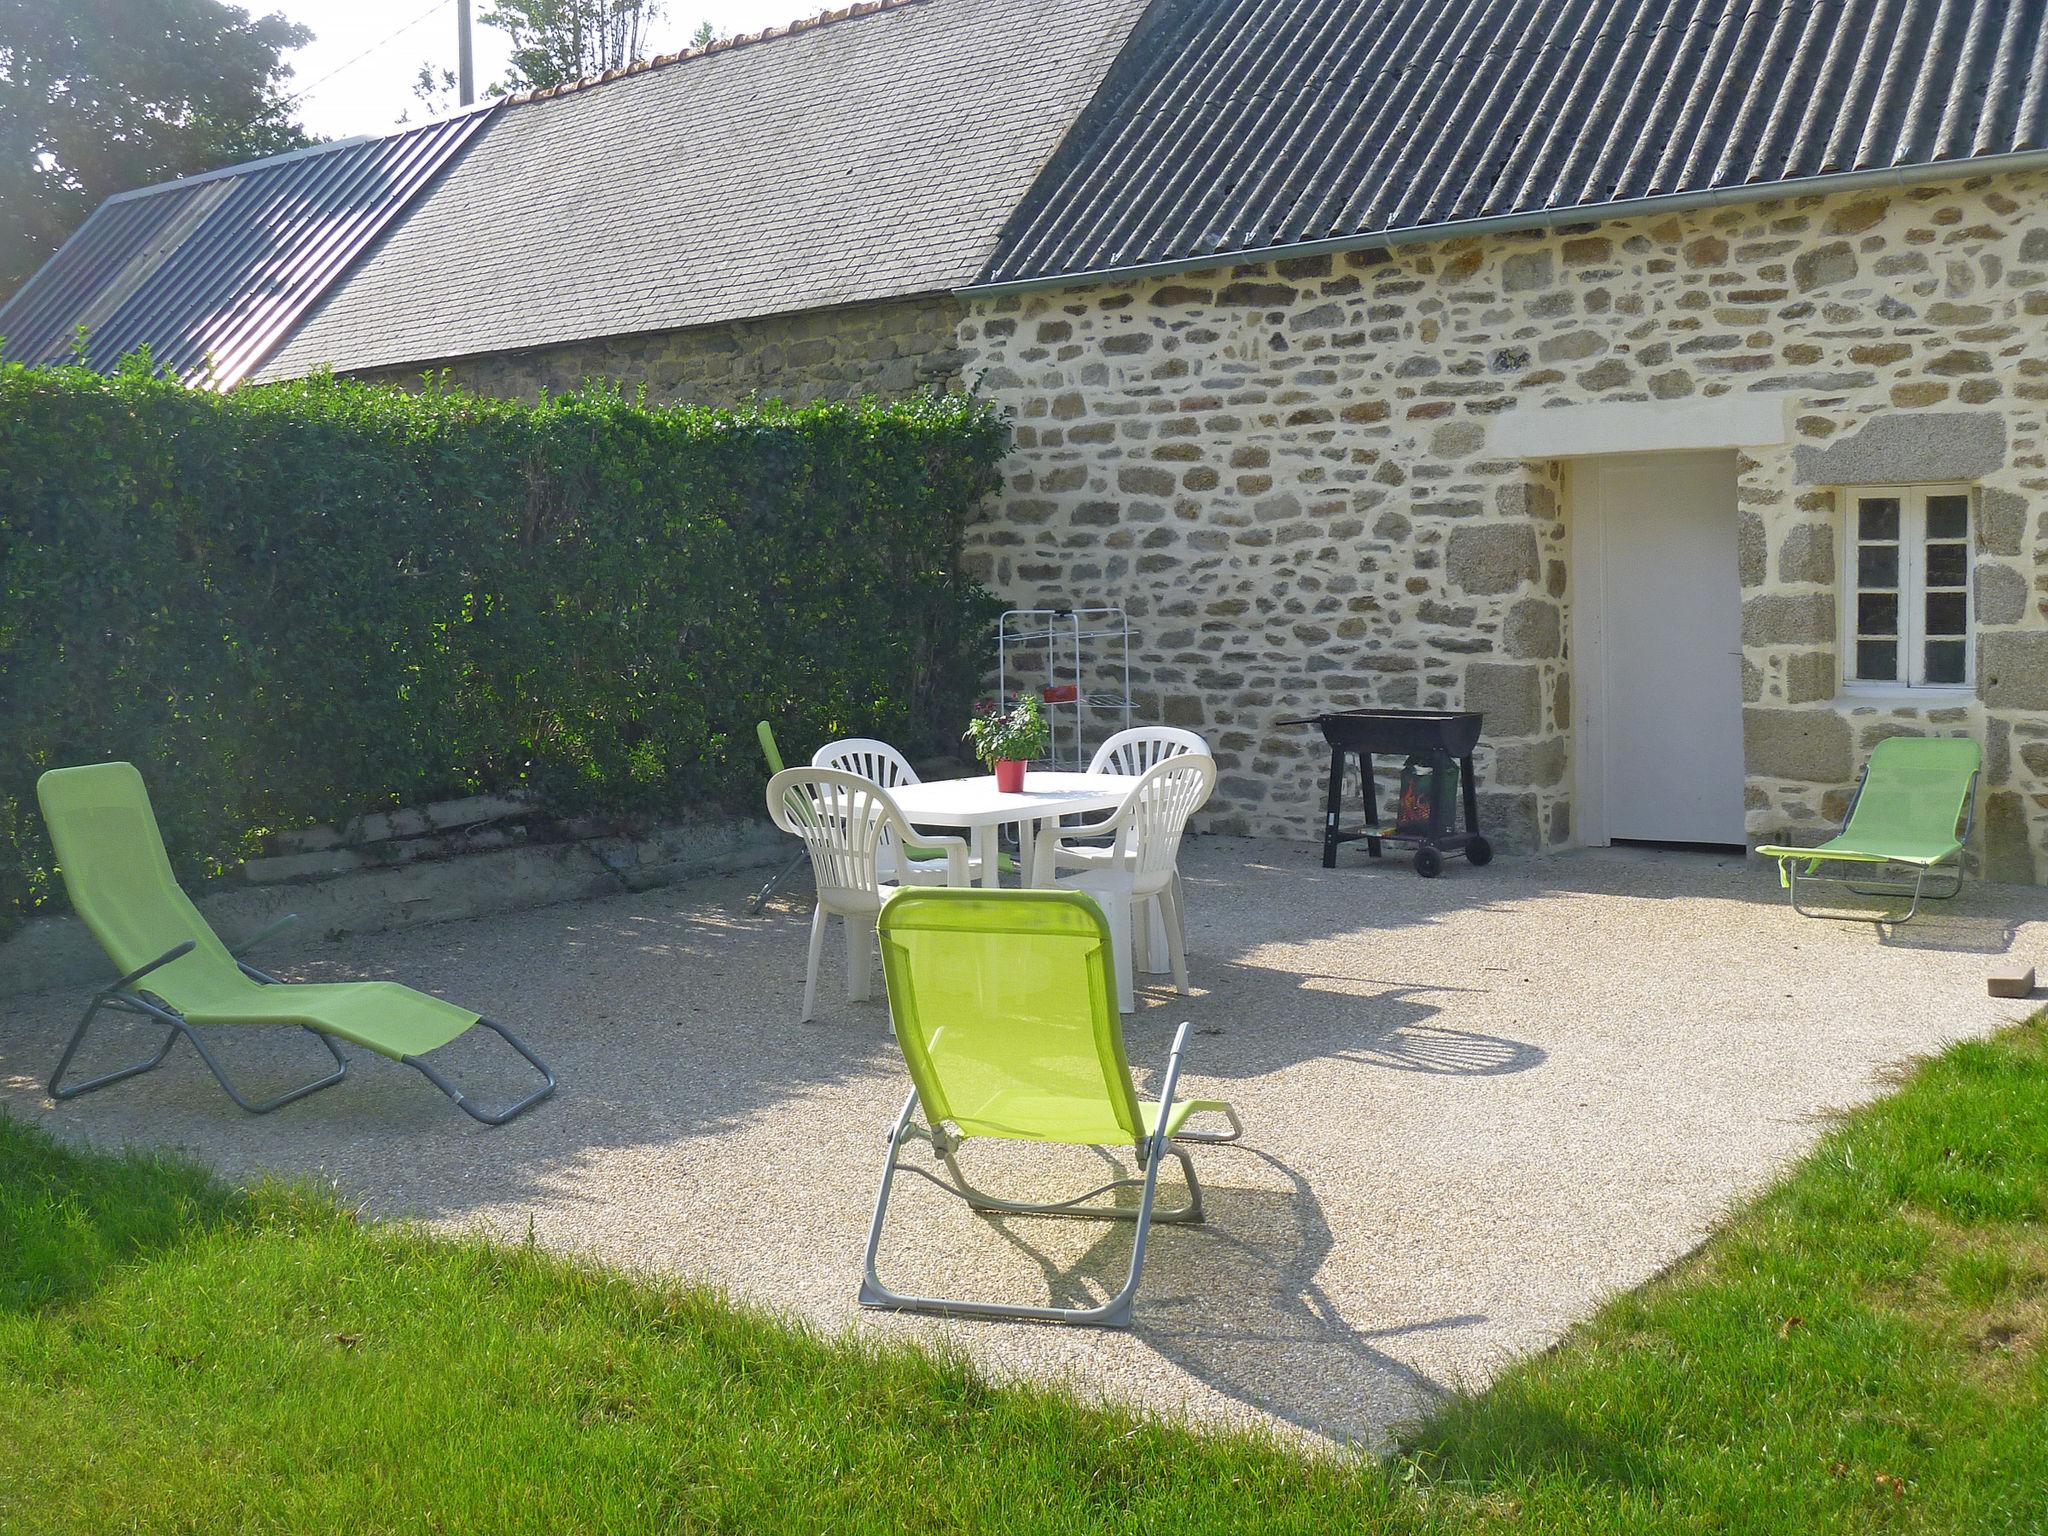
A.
x: 1017, y: 735
x: 299, y: 602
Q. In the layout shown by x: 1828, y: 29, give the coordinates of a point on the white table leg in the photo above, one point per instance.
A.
x: 991, y: 870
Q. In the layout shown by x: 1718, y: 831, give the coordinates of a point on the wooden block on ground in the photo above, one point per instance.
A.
x: 2010, y: 981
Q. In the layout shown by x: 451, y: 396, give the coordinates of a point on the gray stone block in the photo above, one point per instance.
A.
x: 304, y: 840
x: 1492, y: 558
x: 1534, y: 629
x: 1779, y: 618
x: 1510, y: 820
x: 2012, y: 669
x: 1509, y: 694
x: 1808, y: 745
x: 1750, y: 546
x: 2001, y: 594
x: 1520, y: 274
x: 1834, y: 262
x: 1810, y: 676
x: 1905, y: 447
x: 321, y: 865
x: 2001, y: 523
x: 1808, y: 554
x: 2006, y: 851
x: 1530, y: 765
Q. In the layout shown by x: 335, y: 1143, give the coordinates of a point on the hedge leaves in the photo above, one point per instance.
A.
x: 296, y: 603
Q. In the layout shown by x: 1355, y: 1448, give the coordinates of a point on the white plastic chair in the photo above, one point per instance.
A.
x: 884, y: 765
x: 871, y: 759
x: 1136, y: 871
x: 844, y: 821
x: 1133, y: 751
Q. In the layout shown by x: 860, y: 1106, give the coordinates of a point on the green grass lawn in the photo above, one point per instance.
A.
x: 1860, y: 1350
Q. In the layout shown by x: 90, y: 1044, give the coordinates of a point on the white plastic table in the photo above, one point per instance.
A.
x: 979, y: 807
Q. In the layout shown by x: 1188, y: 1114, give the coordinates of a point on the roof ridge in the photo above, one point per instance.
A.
x: 718, y: 45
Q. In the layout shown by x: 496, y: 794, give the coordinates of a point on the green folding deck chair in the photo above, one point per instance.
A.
x: 1916, y: 791
x: 1005, y: 1005
x: 112, y: 858
x: 772, y: 755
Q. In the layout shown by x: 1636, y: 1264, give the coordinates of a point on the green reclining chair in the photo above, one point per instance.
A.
x: 1916, y: 791
x: 771, y: 753
x: 1005, y: 1005
x: 112, y: 858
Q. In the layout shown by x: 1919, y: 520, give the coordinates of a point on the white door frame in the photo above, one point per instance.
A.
x: 1585, y: 556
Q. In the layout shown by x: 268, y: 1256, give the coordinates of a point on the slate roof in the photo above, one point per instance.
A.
x: 1246, y: 125
x: 211, y: 272
x: 873, y: 155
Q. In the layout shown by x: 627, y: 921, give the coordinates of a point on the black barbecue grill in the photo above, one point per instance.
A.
x: 1432, y: 740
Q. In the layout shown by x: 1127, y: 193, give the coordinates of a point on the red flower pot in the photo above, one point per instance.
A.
x: 1010, y: 775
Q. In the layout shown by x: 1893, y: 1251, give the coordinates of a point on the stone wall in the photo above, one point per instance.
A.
x: 1284, y: 471
x: 404, y: 869
x: 891, y: 348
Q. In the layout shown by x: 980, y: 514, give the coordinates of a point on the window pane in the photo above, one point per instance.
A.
x: 1946, y: 564
x: 1877, y: 565
x: 1877, y: 661
x: 1877, y: 517
x: 1948, y: 517
x: 1946, y: 612
x: 1945, y: 661
x: 1877, y: 613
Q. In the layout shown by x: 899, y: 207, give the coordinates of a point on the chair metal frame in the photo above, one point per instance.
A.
x: 1151, y: 1151
x: 1918, y: 888
x: 123, y: 996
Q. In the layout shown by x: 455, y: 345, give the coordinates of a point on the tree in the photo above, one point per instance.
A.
x: 97, y: 96
x: 557, y: 41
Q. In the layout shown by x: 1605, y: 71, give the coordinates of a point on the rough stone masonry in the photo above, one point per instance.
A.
x: 1283, y: 472
x: 890, y: 347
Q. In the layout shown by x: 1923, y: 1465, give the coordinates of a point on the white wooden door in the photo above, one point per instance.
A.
x: 1658, y: 628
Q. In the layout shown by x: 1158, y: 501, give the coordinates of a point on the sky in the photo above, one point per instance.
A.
x: 356, y: 75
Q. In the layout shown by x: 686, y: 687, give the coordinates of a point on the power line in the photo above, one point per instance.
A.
x: 301, y: 94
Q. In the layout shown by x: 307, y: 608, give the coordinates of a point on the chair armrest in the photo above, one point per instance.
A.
x: 1180, y: 1044
x: 260, y: 935
x: 176, y: 951
x: 1051, y: 834
x: 959, y: 858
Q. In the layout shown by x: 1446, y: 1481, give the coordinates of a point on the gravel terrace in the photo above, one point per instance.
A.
x: 1474, y: 1107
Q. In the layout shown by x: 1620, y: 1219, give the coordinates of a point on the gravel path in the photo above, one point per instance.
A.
x: 1474, y: 1107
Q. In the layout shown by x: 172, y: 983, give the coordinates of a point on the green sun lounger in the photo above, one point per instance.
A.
x: 1005, y: 1005
x: 771, y: 753
x: 177, y: 972
x: 1911, y: 816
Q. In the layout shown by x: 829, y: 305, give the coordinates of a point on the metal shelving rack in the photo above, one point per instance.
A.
x: 1081, y: 658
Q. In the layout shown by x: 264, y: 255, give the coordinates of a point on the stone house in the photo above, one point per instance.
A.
x: 1664, y: 378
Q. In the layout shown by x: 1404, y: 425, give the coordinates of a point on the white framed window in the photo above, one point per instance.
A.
x: 1906, y: 620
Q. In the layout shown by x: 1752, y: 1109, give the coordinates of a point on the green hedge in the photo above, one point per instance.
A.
x: 300, y: 602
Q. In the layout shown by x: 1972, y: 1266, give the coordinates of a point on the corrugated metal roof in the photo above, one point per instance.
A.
x: 1246, y: 125
x: 212, y: 272
x: 871, y: 153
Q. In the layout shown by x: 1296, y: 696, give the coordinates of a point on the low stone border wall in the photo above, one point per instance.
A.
x: 439, y: 863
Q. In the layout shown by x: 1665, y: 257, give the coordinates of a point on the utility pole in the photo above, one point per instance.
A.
x: 465, y: 67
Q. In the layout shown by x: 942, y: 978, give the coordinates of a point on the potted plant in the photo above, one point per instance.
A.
x: 1006, y: 741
